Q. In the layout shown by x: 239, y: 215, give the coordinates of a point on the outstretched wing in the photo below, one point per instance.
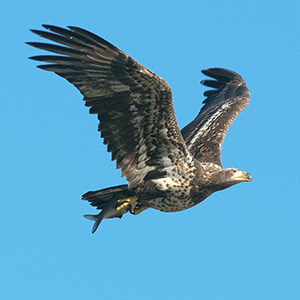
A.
x: 205, y: 134
x: 134, y: 105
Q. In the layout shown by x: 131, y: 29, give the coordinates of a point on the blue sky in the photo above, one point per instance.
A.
x: 241, y: 243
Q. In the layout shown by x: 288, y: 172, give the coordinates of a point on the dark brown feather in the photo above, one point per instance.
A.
x: 102, y: 197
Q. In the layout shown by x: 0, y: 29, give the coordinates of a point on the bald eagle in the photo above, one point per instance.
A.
x: 166, y: 169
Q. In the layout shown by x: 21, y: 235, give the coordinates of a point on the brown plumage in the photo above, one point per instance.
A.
x: 166, y: 169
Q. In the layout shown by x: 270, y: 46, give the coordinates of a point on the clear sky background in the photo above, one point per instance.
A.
x: 241, y: 243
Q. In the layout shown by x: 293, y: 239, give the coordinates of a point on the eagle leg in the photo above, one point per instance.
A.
x: 138, y: 210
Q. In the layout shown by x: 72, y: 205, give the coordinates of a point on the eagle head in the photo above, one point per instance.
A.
x: 227, y: 177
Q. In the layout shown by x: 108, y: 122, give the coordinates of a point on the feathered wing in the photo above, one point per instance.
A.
x: 204, y: 136
x: 134, y: 105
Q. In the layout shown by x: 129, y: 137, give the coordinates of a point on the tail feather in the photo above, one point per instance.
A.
x: 101, y: 198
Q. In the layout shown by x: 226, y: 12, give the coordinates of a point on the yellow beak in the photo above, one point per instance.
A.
x: 242, y: 176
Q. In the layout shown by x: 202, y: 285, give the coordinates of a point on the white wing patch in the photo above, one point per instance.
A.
x: 208, y: 123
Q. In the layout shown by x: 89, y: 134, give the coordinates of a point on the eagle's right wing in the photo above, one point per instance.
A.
x: 134, y: 105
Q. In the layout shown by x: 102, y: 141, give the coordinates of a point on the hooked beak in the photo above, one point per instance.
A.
x: 242, y: 176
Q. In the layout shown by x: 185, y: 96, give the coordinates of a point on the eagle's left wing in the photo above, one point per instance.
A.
x: 204, y: 136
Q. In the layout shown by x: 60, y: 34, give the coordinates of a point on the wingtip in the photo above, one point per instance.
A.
x: 218, y: 73
x: 51, y: 27
x: 46, y: 26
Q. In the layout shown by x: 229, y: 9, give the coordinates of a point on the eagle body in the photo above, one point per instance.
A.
x: 166, y: 168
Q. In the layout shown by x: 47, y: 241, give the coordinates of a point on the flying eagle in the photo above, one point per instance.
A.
x: 166, y: 169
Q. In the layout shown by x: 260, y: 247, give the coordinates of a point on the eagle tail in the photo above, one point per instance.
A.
x: 102, y: 197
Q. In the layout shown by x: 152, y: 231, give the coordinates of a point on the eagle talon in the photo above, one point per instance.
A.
x: 122, y: 205
x: 128, y: 201
x: 135, y: 207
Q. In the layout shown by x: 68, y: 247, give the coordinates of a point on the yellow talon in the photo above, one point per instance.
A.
x: 122, y: 206
x: 128, y: 201
x: 132, y: 202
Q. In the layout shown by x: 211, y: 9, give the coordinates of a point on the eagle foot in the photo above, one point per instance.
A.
x: 128, y: 201
x: 135, y: 207
x: 122, y: 205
